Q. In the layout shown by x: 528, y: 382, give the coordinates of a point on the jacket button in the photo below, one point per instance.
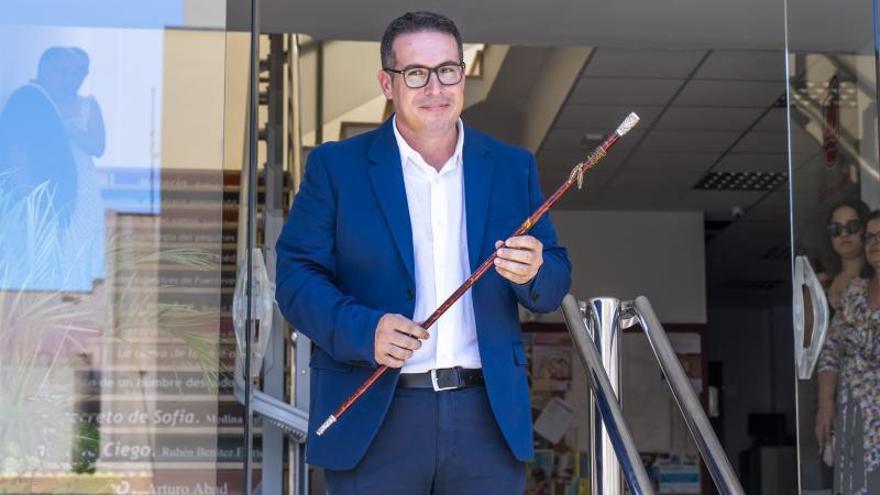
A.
x: 410, y: 294
x: 534, y: 296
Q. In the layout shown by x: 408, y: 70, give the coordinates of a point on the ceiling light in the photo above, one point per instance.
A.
x: 741, y: 181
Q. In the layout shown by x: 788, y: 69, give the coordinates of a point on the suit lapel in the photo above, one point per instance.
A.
x: 478, y: 170
x: 386, y: 177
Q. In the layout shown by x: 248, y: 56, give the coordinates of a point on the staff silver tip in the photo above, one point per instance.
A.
x: 327, y: 424
x: 628, y: 123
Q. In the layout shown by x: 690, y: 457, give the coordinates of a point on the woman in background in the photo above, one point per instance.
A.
x: 849, y: 376
x: 844, y: 227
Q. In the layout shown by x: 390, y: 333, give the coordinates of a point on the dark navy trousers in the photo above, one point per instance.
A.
x: 435, y: 443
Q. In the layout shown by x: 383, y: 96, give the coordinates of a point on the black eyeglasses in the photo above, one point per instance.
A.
x: 848, y: 228
x: 872, y: 238
x: 417, y: 77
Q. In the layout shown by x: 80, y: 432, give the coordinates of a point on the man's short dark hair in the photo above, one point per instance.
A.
x: 416, y: 22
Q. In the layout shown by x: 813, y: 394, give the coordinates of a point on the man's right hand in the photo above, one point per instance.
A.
x: 396, y: 339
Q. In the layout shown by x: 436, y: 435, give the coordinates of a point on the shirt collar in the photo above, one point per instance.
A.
x: 409, y: 155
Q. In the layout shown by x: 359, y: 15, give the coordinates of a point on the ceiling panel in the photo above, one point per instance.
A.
x: 746, y: 24
x: 565, y: 139
x: 552, y: 179
x: 573, y: 139
x: 752, y: 65
x: 724, y: 119
x: 657, y: 166
x: 566, y: 159
x: 676, y: 64
x: 586, y: 200
x: 670, y: 162
x: 699, y: 199
x: 655, y: 181
x: 762, y: 142
x: 775, y: 120
x: 605, y: 118
x: 777, y: 199
x: 753, y: 162
x: 708, y: 118
x: 760, y: 94
x: 591, y: 196
x: 623, y: 91
x: 688, y: 141
x: 630, y: 199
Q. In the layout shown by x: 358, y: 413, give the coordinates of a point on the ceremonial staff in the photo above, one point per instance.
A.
x: 576, y: 176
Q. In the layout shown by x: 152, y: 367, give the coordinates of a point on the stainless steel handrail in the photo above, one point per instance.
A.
x: 606, y: 400
x: 691, y: 409
x: 291, y: 419
x: 602, y: 316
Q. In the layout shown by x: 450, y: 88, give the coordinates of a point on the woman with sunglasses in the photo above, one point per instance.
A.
x: 844, y: 228
x: 849, y: 377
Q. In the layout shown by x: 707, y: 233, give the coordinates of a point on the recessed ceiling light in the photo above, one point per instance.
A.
x: 741, y: 181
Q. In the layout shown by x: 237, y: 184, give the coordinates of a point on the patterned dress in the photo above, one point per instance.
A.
x: 852, y: 348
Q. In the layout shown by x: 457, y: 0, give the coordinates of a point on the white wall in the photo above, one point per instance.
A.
x: 622, y: 254
x: 627, y: 254
x: 650, y: 411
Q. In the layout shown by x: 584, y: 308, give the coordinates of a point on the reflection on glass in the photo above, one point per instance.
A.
x: 835, y: 181
x: 848, y: 417
x: 117, y: 258
x: 49, y: 134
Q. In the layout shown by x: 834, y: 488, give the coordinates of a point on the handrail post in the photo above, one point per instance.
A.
x: 608, y: 410
x: 603, y: 318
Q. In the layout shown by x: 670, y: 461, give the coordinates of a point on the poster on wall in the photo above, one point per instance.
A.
x: 551, y: 362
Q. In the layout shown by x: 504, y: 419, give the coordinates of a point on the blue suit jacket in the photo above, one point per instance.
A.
x: 345, y: 258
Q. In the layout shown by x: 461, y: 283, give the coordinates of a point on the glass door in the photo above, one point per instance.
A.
x: 119, y: 247
x: 835, y: 186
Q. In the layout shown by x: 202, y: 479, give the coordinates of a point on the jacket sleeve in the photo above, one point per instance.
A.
x: 545, y: 291
x: 306, y: 270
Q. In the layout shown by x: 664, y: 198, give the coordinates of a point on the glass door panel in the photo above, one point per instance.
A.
x: 118, y: 250
x: 835, y: 183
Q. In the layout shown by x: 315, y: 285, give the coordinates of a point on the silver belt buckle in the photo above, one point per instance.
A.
x: 437, y: 387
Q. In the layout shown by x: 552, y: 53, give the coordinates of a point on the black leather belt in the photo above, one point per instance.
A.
x: 443, y: 379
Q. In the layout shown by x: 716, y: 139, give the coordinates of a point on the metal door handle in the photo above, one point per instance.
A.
x: 811, y: 317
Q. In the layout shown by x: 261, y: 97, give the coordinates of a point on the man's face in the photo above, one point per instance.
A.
x: 435, y: 108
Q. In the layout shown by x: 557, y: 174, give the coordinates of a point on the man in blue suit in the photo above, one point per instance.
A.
x: 385, y: 227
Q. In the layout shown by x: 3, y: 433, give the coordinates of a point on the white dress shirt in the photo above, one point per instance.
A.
x: 439, y: 229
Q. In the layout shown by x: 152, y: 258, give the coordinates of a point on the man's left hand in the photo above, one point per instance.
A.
x: 519, y: 258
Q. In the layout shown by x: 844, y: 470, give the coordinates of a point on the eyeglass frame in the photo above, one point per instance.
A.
x: 431, y: 70
x: 871, y: 238
x: 837, y: 229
